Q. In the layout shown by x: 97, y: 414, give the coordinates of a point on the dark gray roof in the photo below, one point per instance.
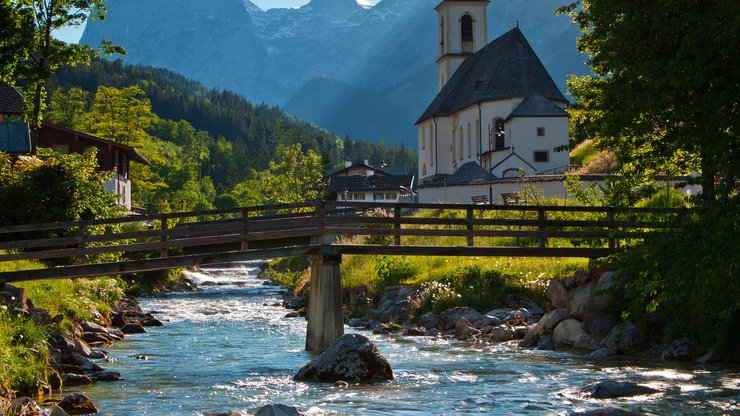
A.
x: 372, y: 183
x: 505, y: 68
x: 11, y: 101
x: 384, y: 170
x: 536, y: 105
x: 467, y: 173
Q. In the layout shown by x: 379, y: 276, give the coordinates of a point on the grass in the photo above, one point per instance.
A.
x: 23, y: 354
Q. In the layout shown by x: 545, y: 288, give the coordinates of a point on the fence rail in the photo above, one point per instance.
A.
x: 150, y: 242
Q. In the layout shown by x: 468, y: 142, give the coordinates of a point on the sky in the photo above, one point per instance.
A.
x: 73, y: 34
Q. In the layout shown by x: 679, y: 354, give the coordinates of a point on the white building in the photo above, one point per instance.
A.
x: 497, y: 107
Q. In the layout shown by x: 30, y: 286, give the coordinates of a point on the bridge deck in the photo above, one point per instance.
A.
x: 158, y: 242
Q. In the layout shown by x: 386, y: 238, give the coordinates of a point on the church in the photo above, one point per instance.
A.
x: 497, y: 113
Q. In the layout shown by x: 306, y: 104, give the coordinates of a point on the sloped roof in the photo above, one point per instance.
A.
x: 130, y: 152
x: 505, y: 68
x: 384, y: 170
x: 467, y: 173
x: 536, y: 105
x: 371, y: 183
x: 11, y: 101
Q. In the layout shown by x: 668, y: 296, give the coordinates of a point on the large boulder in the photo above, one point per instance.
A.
x: 429, y: 320
x: 545, y: 326
x: 352, y: 357
x: 278, y: 410
x: 557, y: 293
x: 609, y: 389
x: 602, y: 298
x: 570, y: 332
x: 625, y: 338
x: 682, y: 349
x: 448, y: 319
x: 78, y: 404
x: 465, y: 330
x: 580, y: 303
x: 23, y: 406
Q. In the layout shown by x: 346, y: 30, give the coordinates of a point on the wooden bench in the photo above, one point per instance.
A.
x: 479, y: 199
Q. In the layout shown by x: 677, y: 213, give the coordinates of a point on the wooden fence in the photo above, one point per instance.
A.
x: 154, y: 242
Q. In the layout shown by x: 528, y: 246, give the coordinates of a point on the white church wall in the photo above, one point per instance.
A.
x: 523, y: 137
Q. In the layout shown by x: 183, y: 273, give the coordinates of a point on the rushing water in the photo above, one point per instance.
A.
x: 228, y: 347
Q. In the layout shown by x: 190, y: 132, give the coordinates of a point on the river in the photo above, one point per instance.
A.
x: 222, y: 349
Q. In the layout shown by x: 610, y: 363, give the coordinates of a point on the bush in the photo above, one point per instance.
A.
x: 690, y: 275
x: 25, y: 370
x: 393, y: 270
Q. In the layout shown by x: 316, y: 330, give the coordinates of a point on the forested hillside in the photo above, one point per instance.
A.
x: 207, y: 148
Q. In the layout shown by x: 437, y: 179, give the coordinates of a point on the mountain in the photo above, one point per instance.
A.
x: 383, y: 57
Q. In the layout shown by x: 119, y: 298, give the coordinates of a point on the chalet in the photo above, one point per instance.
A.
x: 361, y: 182
x: 14, y: 133
x: 112, y: 157
x: 497, y: 114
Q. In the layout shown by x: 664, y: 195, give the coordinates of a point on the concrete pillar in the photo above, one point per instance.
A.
x: 325, y: 323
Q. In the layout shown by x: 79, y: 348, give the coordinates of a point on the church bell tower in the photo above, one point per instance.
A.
x: 463, y: 30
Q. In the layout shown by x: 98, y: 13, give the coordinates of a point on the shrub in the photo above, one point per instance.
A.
x: 393, y: 270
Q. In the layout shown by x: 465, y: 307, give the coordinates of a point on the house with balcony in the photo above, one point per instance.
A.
x: 361, y: 182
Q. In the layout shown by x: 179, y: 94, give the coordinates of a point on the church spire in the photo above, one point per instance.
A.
x: 463, y: 30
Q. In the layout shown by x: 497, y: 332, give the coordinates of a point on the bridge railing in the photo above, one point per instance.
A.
x: 190, y: 238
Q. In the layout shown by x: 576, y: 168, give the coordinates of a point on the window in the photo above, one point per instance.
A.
x: 378, y: 196
x: 390, y: 195
x: 423, y: 137
x: 540, y: 131
x: 60, y: 148
x: 460, y: 149
x: 424, y: 169
x: 470, y: 144
x: 541, y: 156
x: 466, y: 33
x: 477, y: 137
x: 431, y: 147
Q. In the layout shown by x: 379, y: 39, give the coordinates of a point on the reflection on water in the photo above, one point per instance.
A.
x: 222, y: 349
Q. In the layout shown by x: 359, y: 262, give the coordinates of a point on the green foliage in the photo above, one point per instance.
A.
x: 122, y: 115
x: 295, y: 177
x: 34, y: 54
x: 25, y: 370
x: 473, y: 286
x: 393, y: 270
x: 690, y: 276
x: 662, y: 99
x: 54, y: 188
x: 67, y: 108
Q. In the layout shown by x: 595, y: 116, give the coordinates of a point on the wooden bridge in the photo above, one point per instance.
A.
x: 323, y: 231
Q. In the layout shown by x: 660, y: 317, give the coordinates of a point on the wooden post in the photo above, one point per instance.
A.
x: 470, y: 227
x: 322, y: 221
x: 245, y: 230
x: 163, y: 252
x: 397, y: 225
x: 541, y: 228
x: 325, y: 323
x: 81, y: 243
x: 610, y: 228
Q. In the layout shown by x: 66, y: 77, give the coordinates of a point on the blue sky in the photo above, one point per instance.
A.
x: 73, y: 34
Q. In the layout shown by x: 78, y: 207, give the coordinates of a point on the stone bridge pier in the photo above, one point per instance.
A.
x: 325, y: 322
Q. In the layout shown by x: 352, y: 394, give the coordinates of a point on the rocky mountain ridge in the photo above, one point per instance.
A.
x: 385, y: 51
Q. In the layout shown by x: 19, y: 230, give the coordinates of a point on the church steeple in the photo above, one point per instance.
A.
x: 463, y: 30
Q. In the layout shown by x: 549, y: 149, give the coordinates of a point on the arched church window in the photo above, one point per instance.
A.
x: 460, y: 148
x: 470, y: 144
x: 466, y: 33
x: 431, y: 147
x: 423, y: 137
x: 477, y: 137
x: 423, y: 169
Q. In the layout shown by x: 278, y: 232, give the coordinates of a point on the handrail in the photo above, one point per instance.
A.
x: 247, y: 229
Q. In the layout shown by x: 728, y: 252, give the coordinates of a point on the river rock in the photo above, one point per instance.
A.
x: 602, y: 353
x: 57, y: 411
x: 62, y: 343
x: 356, y: 322
x: 489, y: 320
x: 600, y: 327
x: 544, y: 326
x: 381, y: 329
x: 278, y: 410
x: 70, y: 379
x: 133, y: 328
x: 448, y: 318
x: 557, y: 294
x: 607, y: 411
x: 602, y: 299
x: 414, y: 332
x: 352, y: 357
x: 24, y: 405
x: 681, y: 349
x: 501, y: 333
x: 14, y: 296
x: 579, y: 301
x: 87, y: 366
x: 609, y: 389
x: 520, y: 302
x: 625, y: 338
x: 711, y: 356
x: 106, y: 375
x: 232, y: 413
x: 96, y: 338
x: 429, y: 320
x: 82, y: 348
x: 465, y: 330
x: 78, y: 404
x: 570, y: 332
x: 546, y: 343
